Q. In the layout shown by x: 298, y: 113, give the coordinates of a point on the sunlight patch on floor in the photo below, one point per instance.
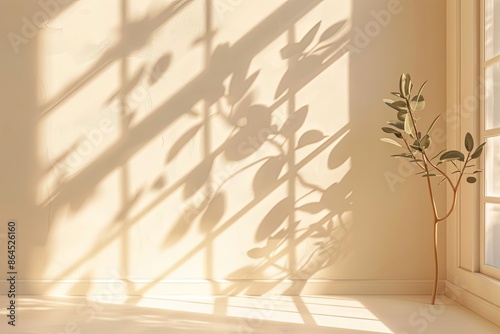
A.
x: 341, y: 313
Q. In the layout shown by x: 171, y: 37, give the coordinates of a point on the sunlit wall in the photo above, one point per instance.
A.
x: 224, y: 146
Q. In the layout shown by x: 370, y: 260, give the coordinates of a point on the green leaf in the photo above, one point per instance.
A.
x: 409, y: 127
x: 478, y: 171
x: 418, y: 96
x: 428, y: 175
x: 390, y: 141
x: 477, y: 153
x: 402, y: 116
x: 415, y: 147
x: 417, y: 103
x: 469, y: 142
x: 396, y: 94
x: 405, y: 85
x: 409, y: 84
x: 452, y: 155
x: 397, y: 105
x: 479, y: 150
x: 402, y: 85
x: 425, y: 142
x: 398, y: 124
x: 471, y: 179
x: 390, y: 130
x: 402, y: 155
x: 433, y: 123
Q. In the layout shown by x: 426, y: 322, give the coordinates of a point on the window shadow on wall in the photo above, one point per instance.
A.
x: 225, y: 78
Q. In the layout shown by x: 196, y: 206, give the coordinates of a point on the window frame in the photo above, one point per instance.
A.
x: 484, y: 134
x: 465, y: 282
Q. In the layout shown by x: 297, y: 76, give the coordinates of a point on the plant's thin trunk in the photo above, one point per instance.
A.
x: 436, y: 267
x: 426, y: 162
x: 436, y: 221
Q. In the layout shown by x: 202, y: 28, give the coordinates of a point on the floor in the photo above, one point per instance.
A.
x: 243, y: 315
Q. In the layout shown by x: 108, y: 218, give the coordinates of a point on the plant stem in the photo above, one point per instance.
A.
x: 412, y: 155
x: 429, y: 186
x: 427, y: 162
x: 436, y: 264
x: 437, y: 219
x: 442, y: 173
x: 420, y: 145
x: 434, y: 212
x: 454, y: 202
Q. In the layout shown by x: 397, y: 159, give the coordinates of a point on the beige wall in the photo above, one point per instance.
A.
x: 169, y: 142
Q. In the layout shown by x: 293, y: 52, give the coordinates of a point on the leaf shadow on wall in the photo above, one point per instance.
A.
x: 253, y: 128
x: 279, y: 234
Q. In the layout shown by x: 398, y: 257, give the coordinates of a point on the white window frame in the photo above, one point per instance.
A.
x: 483, y: 268
x: 464, y: 281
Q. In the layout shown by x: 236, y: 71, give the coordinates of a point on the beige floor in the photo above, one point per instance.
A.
x: 242, y: 315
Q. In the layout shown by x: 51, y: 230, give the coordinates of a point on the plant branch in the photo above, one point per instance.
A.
x: 420, y: 144
x: 455, y: 192
x: 413, y: 155
x: 440, y: 171
x: 463, y: 170
x: 410, y: 112
x: 429, y: 186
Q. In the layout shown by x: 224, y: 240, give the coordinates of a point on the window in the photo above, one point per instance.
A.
x: 473, y: 231
x: 490, y: 132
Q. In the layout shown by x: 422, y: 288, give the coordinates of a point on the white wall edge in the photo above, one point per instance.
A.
x: 473, y: 302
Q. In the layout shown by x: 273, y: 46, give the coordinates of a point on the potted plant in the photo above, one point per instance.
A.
x: 415, y: 145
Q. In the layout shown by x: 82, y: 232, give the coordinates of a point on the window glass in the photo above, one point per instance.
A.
x: 491, y: 28
x: 492, y: 241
